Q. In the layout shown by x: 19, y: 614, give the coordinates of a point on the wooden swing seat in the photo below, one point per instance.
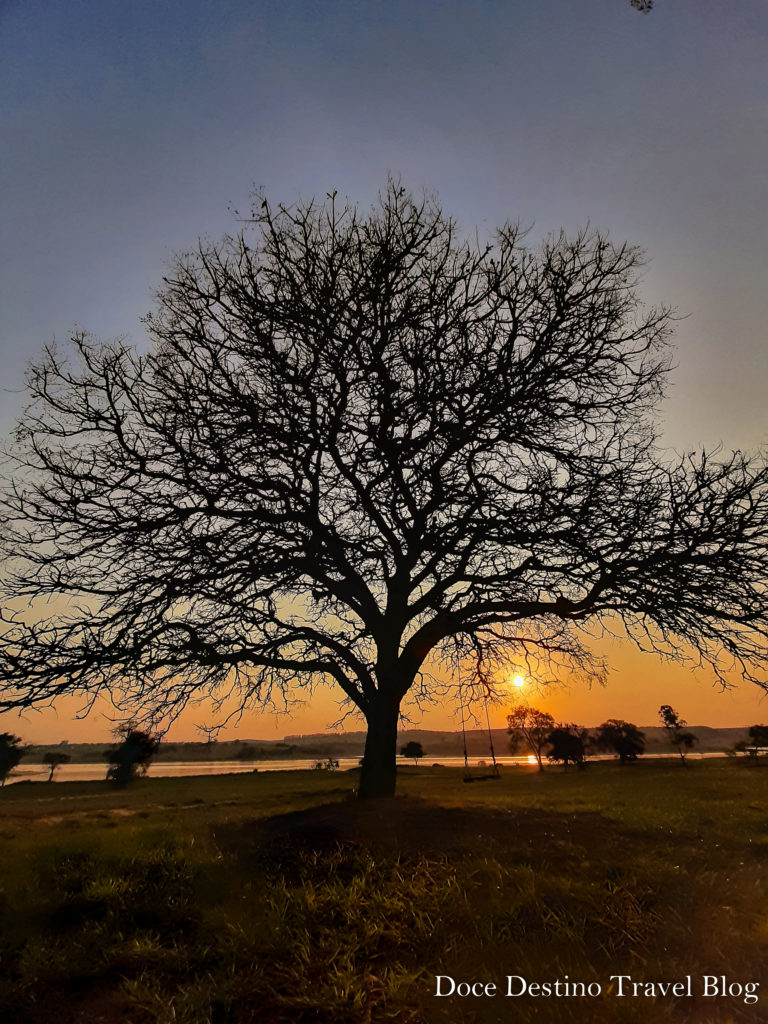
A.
x: 493, y: 774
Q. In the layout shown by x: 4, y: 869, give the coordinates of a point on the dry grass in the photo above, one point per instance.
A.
x: 195, y: 901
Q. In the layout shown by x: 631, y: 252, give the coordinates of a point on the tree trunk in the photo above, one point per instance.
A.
x: 378, y: 774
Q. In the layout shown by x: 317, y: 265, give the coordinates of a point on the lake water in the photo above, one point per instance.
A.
x: 176, y: 769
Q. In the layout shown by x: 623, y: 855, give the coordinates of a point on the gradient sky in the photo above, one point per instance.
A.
x: 127, y: 130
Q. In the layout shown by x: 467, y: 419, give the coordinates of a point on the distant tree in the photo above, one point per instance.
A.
x: 757, y: 741
x: 567, y: 743
x: 644, y: 6
x: 412, y: 749
x: 12, y: 750
x: 742, y: 747
x: 210, y: 732
x: 529, y: 727
x: 623, y: 737
x: 133, y: 755
x: 681, y: 739
x: 53, y: 759
x: 758, y: 735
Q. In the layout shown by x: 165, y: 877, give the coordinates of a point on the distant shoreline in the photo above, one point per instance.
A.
x: 436, y: 745
x: 95, y: 771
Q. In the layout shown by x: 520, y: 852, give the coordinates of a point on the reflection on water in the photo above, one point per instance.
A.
x: 168, y: 769
x: 175, y: 769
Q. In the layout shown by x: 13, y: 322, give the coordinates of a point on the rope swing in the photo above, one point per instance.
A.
x: 493, y: 773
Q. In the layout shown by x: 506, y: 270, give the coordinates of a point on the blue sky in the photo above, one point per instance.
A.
x: 127, y: 130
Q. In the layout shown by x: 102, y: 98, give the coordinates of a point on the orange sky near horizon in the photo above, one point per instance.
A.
x: 637, y: 685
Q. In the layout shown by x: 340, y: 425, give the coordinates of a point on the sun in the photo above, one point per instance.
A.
x: 518, y: 681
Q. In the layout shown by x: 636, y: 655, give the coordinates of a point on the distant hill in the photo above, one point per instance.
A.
x: 436, y: 744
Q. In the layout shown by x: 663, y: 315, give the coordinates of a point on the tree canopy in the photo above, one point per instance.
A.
x: 622, y: 737
x: 357, y: 442
x: 412, y: 749
x: 133, y: 754
x: 54, y: 759
x: 529, y: 727
x: 568, y: 743
x: 758, y: 735
x: 681, y: 738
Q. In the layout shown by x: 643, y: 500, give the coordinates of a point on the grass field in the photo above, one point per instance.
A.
x: 277, y: 897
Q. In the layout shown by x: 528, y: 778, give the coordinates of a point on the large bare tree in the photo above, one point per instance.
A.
x: 358, y: 441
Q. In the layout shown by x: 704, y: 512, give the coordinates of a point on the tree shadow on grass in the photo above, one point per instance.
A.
x: 527, y: 891
x: 412, y: 826
x: 346, y: 912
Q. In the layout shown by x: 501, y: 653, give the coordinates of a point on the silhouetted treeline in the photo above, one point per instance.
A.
x: 438, y: 743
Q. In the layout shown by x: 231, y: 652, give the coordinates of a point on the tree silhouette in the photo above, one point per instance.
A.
x: 412, y: 749
x: 55, y: 758
x: 356, y: 443
x: 567, y: 743
x: 758, y: 735
x: 530, y: 727
x: 132, y: 756
x: 12, y: 750
x: 681, y: 739
x: 644, y: 6
x: 757, y: 741
x: 622, y: 737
